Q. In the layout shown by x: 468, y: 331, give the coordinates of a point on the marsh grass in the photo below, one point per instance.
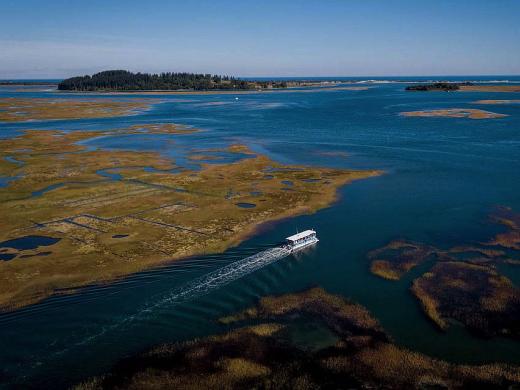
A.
x: 486, y: 302
x: 397, y: 258
x: 164, y: 215
x: 16, y: 110
x: 464, y: 284
x: 470, y: 113
x: 259, y: 357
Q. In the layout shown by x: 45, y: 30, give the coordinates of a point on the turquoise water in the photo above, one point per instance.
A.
x: 442, y: 178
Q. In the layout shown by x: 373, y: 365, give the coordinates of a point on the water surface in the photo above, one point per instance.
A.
x: 443, y: 176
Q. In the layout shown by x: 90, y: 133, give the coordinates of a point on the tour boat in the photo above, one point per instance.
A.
x: 301, y: 240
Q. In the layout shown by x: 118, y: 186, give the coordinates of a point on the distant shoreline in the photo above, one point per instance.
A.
x: 29, y: 83
x: 223, y: 92
x: 462, y: 86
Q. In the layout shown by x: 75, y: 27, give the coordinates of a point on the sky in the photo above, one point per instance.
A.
x: 59, y: 38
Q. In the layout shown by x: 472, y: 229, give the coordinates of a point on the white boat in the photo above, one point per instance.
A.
x: 301, y: 240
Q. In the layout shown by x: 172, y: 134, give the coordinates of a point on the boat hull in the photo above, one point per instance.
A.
x: 305, y: 244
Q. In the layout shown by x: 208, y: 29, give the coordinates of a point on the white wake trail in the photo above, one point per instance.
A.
x: 222, y: 276
x: 196, y: 288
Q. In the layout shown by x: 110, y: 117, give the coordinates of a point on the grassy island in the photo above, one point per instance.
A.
x: 490, y: 88
x: 449, y: 291
x: 105, y: 214
x: 470, y: 113
x: 261, y: 353
x: 397, y: 258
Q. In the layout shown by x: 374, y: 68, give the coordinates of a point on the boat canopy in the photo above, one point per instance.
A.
x: 301, y: 236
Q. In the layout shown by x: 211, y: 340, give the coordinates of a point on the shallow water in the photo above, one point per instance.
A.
x: 442, y: 178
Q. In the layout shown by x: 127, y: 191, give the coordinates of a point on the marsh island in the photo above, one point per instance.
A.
x: 112, y: 213
x: 470, y: 113
x: 464, y: 283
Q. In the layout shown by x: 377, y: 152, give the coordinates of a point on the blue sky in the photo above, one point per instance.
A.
x: 50, y: 38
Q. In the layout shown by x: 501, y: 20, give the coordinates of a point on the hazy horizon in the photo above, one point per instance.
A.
x: 60, y: 39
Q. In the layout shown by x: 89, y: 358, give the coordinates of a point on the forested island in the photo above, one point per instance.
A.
x: 437, y: 87
x: 122, y: 80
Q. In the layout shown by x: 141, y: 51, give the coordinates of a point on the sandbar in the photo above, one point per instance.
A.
x: 470, y: 113
x: 490, y: 88
x: 513, y: 101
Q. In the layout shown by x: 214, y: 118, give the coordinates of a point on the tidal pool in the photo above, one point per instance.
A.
x: 245, y: 205
x: 28, y: 242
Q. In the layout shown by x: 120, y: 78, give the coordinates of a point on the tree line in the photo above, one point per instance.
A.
x: 440, y: 86
x: 122, y: 80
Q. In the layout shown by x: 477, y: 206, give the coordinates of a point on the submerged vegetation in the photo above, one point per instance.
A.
x: 464, y: 284
x: 261, y: 354
x: 122, y: 80
x: 398, y: 257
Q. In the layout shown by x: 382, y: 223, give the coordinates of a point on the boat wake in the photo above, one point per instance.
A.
x: 193, y: 289
x: 223, y: 276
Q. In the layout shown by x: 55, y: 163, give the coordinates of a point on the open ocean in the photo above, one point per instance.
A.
x: 443, y: 177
